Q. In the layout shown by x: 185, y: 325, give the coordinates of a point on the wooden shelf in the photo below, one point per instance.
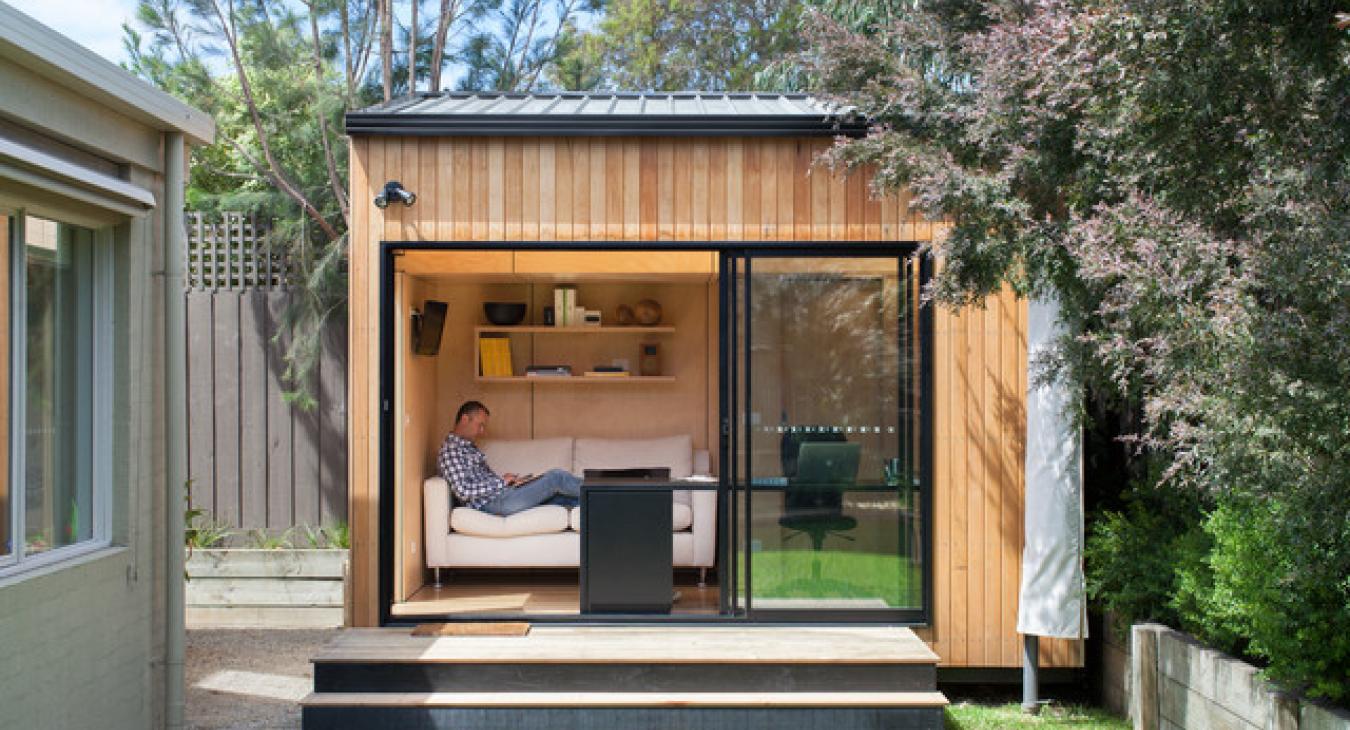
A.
x: 594, y: 330
x: 571, y: 379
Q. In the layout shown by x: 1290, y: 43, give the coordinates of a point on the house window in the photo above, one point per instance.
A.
x: 57, y: 353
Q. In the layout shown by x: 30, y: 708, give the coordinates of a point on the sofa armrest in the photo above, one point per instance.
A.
x: 703, y: 502
x: 436, y: 521
x: 702, y: 462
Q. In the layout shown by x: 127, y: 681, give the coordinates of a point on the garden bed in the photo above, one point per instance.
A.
x: 278, y: 588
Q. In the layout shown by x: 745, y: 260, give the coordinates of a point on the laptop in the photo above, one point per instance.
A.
x: 828, y: 462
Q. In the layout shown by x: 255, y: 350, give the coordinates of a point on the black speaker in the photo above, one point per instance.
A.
x: 426, y: 328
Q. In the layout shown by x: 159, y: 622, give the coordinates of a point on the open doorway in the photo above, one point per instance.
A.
x: 597, y: 360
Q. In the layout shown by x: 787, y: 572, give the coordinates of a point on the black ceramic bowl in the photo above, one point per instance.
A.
x: 504, y: 314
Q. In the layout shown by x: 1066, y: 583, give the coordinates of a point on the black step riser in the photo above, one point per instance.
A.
x: 607, y: 718
x: 403, y: 677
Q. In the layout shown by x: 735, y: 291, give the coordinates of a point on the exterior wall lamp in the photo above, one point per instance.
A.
x: 393, y: 191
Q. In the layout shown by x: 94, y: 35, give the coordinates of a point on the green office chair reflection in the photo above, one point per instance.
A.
x: 813, y: 504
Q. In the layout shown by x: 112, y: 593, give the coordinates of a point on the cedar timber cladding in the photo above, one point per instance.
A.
x: 752, y: 188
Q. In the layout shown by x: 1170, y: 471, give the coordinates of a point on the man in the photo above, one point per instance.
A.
x: 466, y: 470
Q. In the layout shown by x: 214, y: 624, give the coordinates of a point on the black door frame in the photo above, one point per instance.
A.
x: 388, y: 249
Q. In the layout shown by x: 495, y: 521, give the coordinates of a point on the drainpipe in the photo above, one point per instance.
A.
x: 1031, y: 704
x: 175, y: 427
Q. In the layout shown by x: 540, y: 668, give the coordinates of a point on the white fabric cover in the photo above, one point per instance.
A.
x: 528, y: 456
x: 681, y: 517
x: 539, y: 520
x: 675, y: 452
x: 1053, y: 597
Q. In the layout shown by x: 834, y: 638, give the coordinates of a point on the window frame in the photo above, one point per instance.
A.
x: 19, y: 561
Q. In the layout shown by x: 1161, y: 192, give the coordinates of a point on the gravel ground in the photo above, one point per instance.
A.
x: 249, y: 678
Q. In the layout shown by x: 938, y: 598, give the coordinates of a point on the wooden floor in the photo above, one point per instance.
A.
x: 550, y: 643
x: 527, y: 594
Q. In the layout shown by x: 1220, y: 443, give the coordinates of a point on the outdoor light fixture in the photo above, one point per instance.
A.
x: 393, y: 190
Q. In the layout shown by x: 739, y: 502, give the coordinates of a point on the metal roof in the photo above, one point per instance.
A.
x: 682, y: 114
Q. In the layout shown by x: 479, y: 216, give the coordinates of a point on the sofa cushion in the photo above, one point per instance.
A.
x: 681, y: 517
x: 543, y: 519
x: 674, y: 452
x: 528, y: 456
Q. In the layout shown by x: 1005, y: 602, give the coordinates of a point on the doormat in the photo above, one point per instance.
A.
x: 489, y: 628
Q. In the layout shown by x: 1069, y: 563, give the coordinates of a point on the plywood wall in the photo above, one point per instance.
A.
x: 628, y: 189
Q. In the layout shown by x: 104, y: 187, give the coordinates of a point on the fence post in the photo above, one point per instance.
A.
x: 1144, y: 673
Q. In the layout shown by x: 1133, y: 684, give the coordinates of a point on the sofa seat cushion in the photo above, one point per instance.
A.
x: 681, y: 517
x: 528, y: 456
x: 539, y: 520
x: 673, y: 452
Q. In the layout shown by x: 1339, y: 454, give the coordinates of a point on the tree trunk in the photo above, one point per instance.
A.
x: 387, y: 47
x: 438, y: 42
x: 412, y: 50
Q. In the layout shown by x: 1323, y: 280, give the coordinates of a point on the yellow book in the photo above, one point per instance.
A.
x: 484, y: 357
x: 504, y: 350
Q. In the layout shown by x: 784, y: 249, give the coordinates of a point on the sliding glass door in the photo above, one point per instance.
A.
x: 826, y: 431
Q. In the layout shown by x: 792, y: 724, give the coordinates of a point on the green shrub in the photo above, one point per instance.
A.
x: 1135, y: 557
x: 1281, y: 578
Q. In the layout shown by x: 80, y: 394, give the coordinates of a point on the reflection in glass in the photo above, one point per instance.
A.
x: 832, y: 434
x: 58, y: 385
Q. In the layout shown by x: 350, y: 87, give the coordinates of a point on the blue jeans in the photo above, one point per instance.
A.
x: 556, y: 486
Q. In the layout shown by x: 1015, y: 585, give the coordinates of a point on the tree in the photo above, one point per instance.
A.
x: 521, y: 40
x: 1177, y: 174
x: 673, y: 45
x: 279, y: 152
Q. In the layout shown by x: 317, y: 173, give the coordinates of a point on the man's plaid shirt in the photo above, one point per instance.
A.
x: 466, y: 470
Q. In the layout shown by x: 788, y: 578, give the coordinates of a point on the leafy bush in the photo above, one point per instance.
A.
x: 1137, y: 557
x: 1281, y: 577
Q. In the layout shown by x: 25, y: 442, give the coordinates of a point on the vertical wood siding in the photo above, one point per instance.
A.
x: 642, y: 189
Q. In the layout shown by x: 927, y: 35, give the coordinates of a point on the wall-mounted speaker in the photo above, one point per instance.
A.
x: 427, y: 326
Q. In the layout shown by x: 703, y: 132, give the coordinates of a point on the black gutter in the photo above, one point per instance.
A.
x: 600, y: 125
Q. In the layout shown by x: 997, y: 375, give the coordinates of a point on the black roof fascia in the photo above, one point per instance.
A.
x: 642, y: 125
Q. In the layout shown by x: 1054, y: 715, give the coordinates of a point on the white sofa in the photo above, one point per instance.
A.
x: 547, y: 536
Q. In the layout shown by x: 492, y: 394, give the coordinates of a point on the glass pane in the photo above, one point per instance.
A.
x: 58, y: 443
x: 831, y: 435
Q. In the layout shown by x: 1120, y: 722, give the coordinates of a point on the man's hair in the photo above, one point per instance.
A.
x: 470, y: 407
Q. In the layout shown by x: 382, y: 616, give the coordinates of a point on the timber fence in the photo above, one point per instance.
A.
x: 254, y: 460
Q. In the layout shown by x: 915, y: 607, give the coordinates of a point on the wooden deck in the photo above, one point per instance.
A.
x: 567, y: 676
x: 638, y: 645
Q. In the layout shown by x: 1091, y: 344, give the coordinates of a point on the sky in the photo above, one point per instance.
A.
x: 94, y: 24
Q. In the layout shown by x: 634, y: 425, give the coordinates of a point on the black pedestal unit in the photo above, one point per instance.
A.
x: 626, y: 547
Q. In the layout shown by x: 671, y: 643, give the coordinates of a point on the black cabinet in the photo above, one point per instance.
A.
x: 626, y: 547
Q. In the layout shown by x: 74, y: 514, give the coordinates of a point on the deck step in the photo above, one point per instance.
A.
x: 653, y: 677
x: 629, y: 710
x: 630, y: 677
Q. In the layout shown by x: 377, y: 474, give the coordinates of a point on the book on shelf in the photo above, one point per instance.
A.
x: 564, y: 302
x: 494, y: 355
x: 606, y: 374
x: 548, y: 371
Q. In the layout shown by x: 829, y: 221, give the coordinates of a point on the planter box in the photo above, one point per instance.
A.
x: 265, y: 588
x: 1167, y: 679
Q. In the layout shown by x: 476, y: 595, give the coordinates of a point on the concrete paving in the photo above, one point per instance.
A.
x: 241, y: 679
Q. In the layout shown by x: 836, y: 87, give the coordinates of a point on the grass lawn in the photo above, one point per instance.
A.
x: 969, y: 716
x: 835, y: 574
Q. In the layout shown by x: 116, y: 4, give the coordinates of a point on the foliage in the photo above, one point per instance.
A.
x: 199, y: 529
x: 1176, y: 173
x: 264, y: 540
x: 1137, y: 557
x: 338, y: 536
x: 333, y: 537
x: 675, y: 45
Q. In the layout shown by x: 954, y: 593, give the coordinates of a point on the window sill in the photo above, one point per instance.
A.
x: 56, y: 561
